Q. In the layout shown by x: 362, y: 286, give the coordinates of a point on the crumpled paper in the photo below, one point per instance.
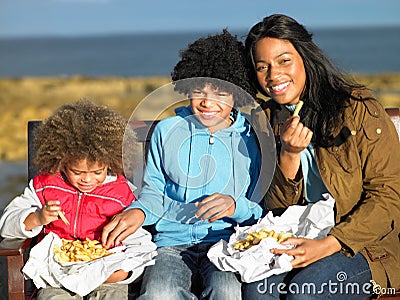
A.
x: 313, y: 221
x: 136, y: 253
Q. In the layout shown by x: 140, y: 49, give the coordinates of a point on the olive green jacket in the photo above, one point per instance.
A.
x: 362, y: 173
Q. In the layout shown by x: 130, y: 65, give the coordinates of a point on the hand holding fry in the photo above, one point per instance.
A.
x: 49, y: 212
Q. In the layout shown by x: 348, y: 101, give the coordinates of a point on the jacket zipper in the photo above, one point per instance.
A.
x: 76, y: 212
x: 210, y: 142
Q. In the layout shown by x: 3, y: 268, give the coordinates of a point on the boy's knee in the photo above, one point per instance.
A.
x: 165, y: 293
x: 223, y: 287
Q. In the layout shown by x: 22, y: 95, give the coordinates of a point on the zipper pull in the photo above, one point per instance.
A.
x: 211, y: 141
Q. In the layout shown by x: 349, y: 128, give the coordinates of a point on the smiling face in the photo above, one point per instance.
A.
x: 212, y: 107
x: 86, y: 177
x: 280, y: 70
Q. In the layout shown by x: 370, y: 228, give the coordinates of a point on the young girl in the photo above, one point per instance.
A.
x: 80, y: 176
x: 344, y: 144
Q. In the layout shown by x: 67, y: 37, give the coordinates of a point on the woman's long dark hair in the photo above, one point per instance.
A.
x: 327, y: 89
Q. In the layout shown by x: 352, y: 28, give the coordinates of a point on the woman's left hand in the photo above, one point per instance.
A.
x: 215, y: 207
x: 307, y: 251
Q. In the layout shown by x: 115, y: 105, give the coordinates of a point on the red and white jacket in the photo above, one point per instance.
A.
x: 87, y: 213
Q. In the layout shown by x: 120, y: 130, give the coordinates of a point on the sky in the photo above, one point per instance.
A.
x: 25, y: 18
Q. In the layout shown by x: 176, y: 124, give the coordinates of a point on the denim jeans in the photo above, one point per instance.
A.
x: 177, y: 267
x: 333, y: 277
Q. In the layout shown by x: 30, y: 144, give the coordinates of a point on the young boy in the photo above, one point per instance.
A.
x: 79, y: 159
x: 201, y: 169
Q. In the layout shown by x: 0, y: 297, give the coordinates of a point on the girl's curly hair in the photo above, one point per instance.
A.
x: 82, y: 130
x: 220, y: 56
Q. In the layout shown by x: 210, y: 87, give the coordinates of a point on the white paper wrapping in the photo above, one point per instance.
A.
x: 312, y: 221
x: 136, y: 253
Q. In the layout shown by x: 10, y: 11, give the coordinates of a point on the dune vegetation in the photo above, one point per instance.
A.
x: 24, y: 99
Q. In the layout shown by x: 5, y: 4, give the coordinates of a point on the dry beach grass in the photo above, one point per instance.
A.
x: 24, y: 99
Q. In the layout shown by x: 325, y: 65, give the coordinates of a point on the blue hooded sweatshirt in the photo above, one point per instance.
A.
x: 185, y: 164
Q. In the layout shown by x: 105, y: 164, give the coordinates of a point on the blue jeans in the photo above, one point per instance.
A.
x: 177, y: 267
x: 333, y: 277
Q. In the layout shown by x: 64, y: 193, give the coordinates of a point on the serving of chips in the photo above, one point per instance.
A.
x: 254, y: 238
x: 79, y: 251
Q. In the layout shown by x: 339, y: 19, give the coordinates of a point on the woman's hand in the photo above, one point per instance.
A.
x: 295, y: 137
x: 47, y: 214
x: 307, y: 251
x: 215, y: 207
x: 121, y: 226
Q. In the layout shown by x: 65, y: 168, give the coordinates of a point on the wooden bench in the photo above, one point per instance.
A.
x: 16, y: 250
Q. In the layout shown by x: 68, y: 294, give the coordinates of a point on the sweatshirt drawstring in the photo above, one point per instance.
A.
x: 235, y: 178
x: 211, y: 140
x: 190, y: 160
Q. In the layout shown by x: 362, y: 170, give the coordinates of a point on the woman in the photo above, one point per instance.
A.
x: 343, y: 143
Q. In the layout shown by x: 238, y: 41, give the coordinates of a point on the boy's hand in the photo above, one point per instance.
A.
x: 121, y: 226
x: 215, y: 207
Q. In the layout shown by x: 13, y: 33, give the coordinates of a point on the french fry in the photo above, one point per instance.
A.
x: 62, y: 217
x: 254, y: 238
x: 297, y: 109
x: 76, y: 251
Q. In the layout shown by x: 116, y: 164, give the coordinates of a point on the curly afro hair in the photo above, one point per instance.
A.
x: 82, y: 130
x: 220, y: 56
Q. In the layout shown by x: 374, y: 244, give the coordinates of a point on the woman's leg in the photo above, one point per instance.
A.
x: 169, y: 278
x: 268, y: 288
x: 333, y: 277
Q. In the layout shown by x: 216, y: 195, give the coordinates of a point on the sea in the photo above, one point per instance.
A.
x: 362, y: 50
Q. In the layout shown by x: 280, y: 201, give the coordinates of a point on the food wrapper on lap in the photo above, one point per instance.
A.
x: 312, y: 221
x: 43, y: 267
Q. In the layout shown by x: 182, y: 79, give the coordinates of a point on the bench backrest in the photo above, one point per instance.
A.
x: 143, y: 130
x: 394, y: 114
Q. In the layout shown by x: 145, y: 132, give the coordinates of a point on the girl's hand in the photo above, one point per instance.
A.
x: 117, y: 276
x: 215, y: 207
x: 49, y: 212
x: 307, y: 251
x: 44, y: 216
